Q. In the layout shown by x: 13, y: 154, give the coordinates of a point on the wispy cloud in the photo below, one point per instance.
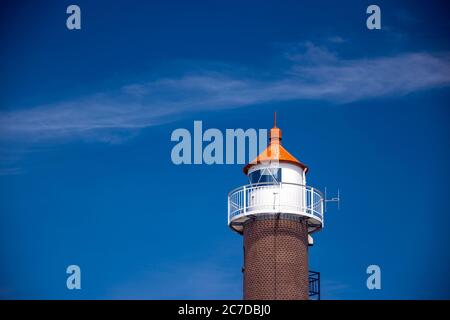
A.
x: 184, y: 280
x: 334, y: 289
x: 10, y: 171
x: 336, y: 39
x: 313, y: 73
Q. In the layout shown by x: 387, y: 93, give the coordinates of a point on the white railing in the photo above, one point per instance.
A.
x: 267, y: 198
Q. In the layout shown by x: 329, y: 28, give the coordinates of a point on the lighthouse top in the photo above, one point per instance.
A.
x: 275, y: 152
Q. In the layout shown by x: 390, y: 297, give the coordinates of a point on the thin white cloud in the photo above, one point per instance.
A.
x: 314, y: 73
x: 336, y: 39
x: 10, y: 171
x: 195, y: 281
x: 334, y: 289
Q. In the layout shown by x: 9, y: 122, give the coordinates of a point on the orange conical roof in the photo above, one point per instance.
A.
x: 275, y: 152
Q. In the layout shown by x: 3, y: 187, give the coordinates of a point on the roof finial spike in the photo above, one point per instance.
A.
x: 275, y: 119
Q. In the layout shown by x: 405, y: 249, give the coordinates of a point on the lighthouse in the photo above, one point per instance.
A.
x: 277, y: 213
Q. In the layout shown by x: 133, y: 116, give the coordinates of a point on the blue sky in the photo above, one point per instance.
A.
x: 86, y: 117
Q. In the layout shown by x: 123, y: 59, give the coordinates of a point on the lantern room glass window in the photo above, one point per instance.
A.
x: 268, y: 175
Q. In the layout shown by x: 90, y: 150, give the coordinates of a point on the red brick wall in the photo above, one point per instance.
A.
x: 276, y: 259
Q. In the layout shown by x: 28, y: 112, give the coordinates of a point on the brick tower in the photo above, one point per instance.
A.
x: 276, y: 214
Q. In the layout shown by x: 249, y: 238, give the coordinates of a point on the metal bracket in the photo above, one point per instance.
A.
x: 336, y: 199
